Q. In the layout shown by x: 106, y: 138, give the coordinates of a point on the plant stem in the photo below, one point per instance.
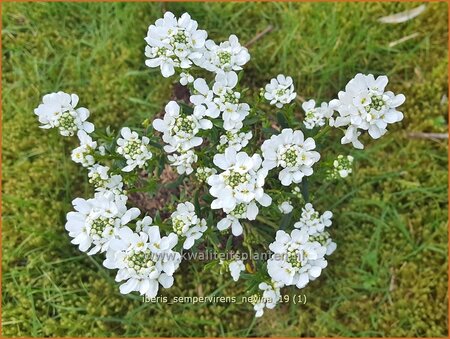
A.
x: 322, y: 132
x: 304, y: 189
x: 267, y: 222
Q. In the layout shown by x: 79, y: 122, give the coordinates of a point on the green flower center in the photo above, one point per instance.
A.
x: 322, y: 237
x: 280, y: 92
x: 295, y: 258
x: 180, y: 37
x: 239, y: 211
x: 235, y: 178
x: 376, y: 104
x: 314, y: 216
x: 99, y: 224
x: 203, y: 173
x: 133, y: 148
x: 184, y: 124
x: 96, y: 180
x: 67, y: 122
x: 342, y: 163
x: 224, y: 57
x: 290, y: 157
x: 230, y: 97
x: 161, y: 51
x: 178, y: 225
x: 139, y: 260
x: 310, y: 115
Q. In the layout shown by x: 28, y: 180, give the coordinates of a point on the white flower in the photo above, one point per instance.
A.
x: 296, y: 260
x: 236, y: 267
x: 315, y: 116
x: 240, y: 211
x: 174, y: 43
x: 84, y: 154
x: 342, y: 167
x: 222, y: 98
x: 133, y: 149
x: 234, y: 115
x: 234, y: 139
x: 286, y: 207
x: 187, y: 224
x: 203, y: 100
x: 186, y: 78
x: 280, y: 91
x: 223, y: 89
x: 183, y: 161
x: 144, y: 260
x: 241, y: 181
x: 230, y: 221
x: 270, y: 296
x: 203, y: 173
x: 312, y: 222
x: 180, y: 130
x: 102, y: 181
x: 58, y: 110
x: 227, y: 57
x: 292, y: 153
x: 96, y: 221
x: 324, y: 239
x: 364, y: 105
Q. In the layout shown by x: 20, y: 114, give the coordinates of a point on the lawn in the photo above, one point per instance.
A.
x: 388, y: 276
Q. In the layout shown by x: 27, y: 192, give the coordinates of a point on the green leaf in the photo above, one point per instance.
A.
x: 186, y: 108
x: 285, y: 221
x: 177, y: 182
x: 251, y: 121
x: 282, y: 121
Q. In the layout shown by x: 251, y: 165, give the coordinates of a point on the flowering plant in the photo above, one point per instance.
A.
x: 246, y: 173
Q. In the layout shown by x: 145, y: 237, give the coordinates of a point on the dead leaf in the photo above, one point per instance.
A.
x: 406, y: 38
x: 402, y: 16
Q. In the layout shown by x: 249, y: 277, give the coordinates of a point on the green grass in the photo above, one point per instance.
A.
x: 389, y: 274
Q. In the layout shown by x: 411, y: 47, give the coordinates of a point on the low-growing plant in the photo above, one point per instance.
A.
x: 249, y: 178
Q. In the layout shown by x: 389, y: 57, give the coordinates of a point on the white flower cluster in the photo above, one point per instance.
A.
x: 95, y: 222
x: 299, y: 257
x: 364, y: 105
x: 290, y: 151
x: 220, y: 99
x: 269, y: 298
x: 58, y: 110
x: 238, y: 188
x: 316, y: 116
x: 228, y: 56
x: 187, y: 224
x: 203, y: 173
x: 234, y: 139
x: 342, y: 167
x: 178, y: 43
x: 236, y: 267
x: 180, y: 134
x: 315, y: 225
x: 102, y: 181
x: 296, y: 259
x: 84, y: 154
x: 174, y: 43
x: 280, y: 91
x: 145, y: 258
x: 134, y: 149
